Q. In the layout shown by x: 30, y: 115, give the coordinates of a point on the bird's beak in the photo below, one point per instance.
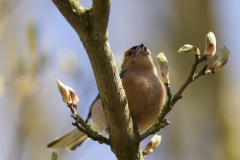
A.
x: 140, y: 50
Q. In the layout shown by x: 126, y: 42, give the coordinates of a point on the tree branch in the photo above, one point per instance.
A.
x: 85, y: 128
x: 88, y: 131
x: 91, y: 26
x: 161, y: 122
x: 192, y: 76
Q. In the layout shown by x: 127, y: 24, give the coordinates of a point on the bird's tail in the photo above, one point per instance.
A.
x: 70, y: 140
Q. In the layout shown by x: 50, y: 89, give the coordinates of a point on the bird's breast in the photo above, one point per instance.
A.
x: 146, y: 95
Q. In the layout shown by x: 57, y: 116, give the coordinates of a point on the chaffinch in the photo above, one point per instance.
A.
x: 144, y: 91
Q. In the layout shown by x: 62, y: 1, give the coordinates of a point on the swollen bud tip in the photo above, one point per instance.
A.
x: 189, y: 48
x: 67, y: 93
x: 221, y: 58
x: 210, y: 45
x: 162, y: 60
x: 152, y: 144
x: 73, y: 96
x: 54, y: 156
x: 64, y: 91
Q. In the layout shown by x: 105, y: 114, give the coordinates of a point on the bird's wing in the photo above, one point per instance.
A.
x: 98, y: 96
x: 90, y: 108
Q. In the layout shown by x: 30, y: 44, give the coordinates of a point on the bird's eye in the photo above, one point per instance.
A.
x: 129, y: 53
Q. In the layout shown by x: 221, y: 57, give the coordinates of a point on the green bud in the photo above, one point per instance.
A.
x: 152, y: 144
x: 189, y: 48
x: 210, y: 38
x: 67, y: 93
x: 64, y: 91
x: 221, y: 58
x: 54, y: 156
x: 74, y: 97
x: 162, y: 60
x: 157, y: 140
x: 210, y: 45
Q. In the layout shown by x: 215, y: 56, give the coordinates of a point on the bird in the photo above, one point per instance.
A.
x: 145, y: 93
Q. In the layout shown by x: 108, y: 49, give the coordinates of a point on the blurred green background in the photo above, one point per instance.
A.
x: 38, y: 46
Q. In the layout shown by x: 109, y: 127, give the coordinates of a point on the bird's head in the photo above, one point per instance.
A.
x: 138, y: 57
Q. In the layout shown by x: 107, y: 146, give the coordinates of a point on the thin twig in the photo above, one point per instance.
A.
x: 169, y: 94
x: 161, y: 121
x: 92, y: 134
x: 205, y: 71
x: 85, y: 128
x: 154, y: 129
x: 190, y: 78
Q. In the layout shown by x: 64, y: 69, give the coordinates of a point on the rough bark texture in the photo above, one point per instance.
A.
x: 91, y: 26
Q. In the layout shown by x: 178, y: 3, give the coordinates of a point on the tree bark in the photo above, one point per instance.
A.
x: 91, y: 26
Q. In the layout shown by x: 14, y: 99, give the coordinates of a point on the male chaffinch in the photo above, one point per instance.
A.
x: 144, y: 91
